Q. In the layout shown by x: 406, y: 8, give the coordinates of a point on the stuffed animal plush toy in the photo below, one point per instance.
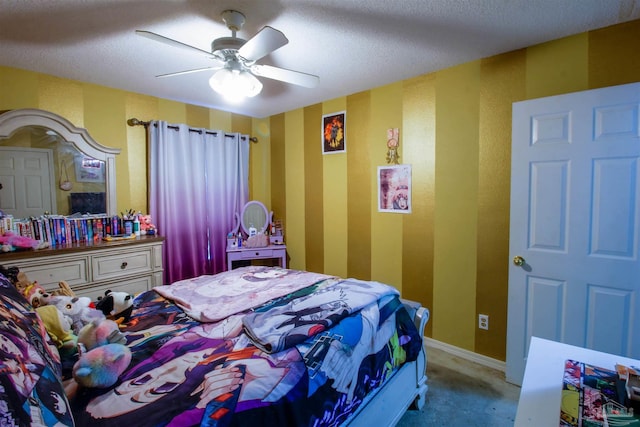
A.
x: 59, y: 329
x: 102, y: 366
x: 64, y: 289
x: 99, y: 333
x: 146, y: 225
x: 19, y: 280
x: 10, y: 241
x: 117, y: 306
x: 107, y: 356
x: 77, y: 309
x: 103, y: 357
x: 36, y: 295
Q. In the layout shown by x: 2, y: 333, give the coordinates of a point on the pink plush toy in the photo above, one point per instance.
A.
x: 146, y: 226
x: 102, y: 366
x: 10, y: 241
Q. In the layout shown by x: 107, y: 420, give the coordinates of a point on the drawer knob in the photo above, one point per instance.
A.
x: 124, y: 265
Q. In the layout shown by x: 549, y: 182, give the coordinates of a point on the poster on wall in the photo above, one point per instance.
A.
x: 89, y: 170
x: 394, y: 188
x: 333, y: 133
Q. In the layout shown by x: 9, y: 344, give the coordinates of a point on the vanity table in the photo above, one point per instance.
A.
x: 278, y: 252
x: 254, y: 220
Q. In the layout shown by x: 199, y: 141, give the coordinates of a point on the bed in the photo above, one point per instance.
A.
x: 247, y: 347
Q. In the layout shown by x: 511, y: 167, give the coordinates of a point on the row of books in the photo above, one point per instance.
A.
x: 59, y: 230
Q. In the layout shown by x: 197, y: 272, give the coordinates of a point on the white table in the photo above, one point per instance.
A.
x: 540, y: 396
x: 278, y: 252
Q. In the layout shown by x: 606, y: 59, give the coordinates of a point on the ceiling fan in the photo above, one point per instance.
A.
x: 237, y: 59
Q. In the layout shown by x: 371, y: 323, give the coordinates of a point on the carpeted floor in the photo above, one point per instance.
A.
x: 463, y: 393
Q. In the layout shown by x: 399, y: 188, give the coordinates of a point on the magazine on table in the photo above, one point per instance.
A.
x: 594, y: 396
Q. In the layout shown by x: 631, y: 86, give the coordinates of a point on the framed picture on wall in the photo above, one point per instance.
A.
x: 333, y: 133
x: 89, y: 169
x: 394, y: 188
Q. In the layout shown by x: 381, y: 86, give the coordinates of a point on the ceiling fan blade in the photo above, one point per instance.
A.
x: 284, y: 75
x: 263, y: 43
x: 195, y: 70
x: 172, y: 42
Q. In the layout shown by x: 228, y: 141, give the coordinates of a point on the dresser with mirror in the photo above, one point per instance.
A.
x: 51, y: 166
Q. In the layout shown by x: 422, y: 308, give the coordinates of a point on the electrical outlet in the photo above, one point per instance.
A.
x: 483, y: 321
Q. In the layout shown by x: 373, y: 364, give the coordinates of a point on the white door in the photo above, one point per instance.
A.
x: 575, y: 216
x: 26, y: 175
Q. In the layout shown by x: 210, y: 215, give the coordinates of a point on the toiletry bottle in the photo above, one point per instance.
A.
x: 128, y: 227
x: 136, y: 225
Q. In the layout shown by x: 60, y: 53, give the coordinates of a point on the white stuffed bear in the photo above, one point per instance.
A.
x: 77, y: 310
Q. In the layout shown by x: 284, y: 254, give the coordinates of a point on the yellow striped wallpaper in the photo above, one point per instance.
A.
x: 451, y: 252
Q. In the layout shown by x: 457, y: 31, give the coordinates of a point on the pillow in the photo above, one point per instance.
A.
x: 31, y: 392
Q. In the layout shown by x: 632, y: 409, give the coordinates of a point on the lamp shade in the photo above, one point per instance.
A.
x: 235, y: 84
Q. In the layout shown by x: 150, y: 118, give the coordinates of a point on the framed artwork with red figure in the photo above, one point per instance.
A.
x: 333, y: 133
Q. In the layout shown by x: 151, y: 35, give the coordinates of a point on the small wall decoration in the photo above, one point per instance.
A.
x: 333, y: 133
x: 394, y: 189
x: 393, y: 145
x: 89, y: 170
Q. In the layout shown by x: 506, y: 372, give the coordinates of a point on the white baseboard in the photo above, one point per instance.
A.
x: 480, y: 359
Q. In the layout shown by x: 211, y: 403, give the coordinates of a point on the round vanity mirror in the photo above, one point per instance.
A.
x: 254, y: 214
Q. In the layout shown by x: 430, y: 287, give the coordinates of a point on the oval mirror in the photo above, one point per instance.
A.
x: 254, y: 214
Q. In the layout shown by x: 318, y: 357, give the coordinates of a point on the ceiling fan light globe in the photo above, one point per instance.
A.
x: 219, y: 79
x: 234, y: 85
x: 234, y: 98
x: 250, y: 84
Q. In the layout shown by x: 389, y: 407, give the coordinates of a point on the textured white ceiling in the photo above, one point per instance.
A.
x: 352, y: 45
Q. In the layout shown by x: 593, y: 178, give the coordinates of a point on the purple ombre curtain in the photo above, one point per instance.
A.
x: 198, y: 180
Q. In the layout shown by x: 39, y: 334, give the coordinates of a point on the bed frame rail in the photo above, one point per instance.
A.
x: 406, y: 388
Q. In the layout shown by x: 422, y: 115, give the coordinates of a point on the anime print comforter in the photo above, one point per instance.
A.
x: 306, y: 355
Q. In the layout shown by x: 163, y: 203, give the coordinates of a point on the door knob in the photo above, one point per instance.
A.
x: 518, y: 260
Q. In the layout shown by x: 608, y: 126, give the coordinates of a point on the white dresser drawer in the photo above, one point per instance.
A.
x: 74, y: 272
x: 121, y: 264
x: 132, y: 286
x: 131, y: 266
